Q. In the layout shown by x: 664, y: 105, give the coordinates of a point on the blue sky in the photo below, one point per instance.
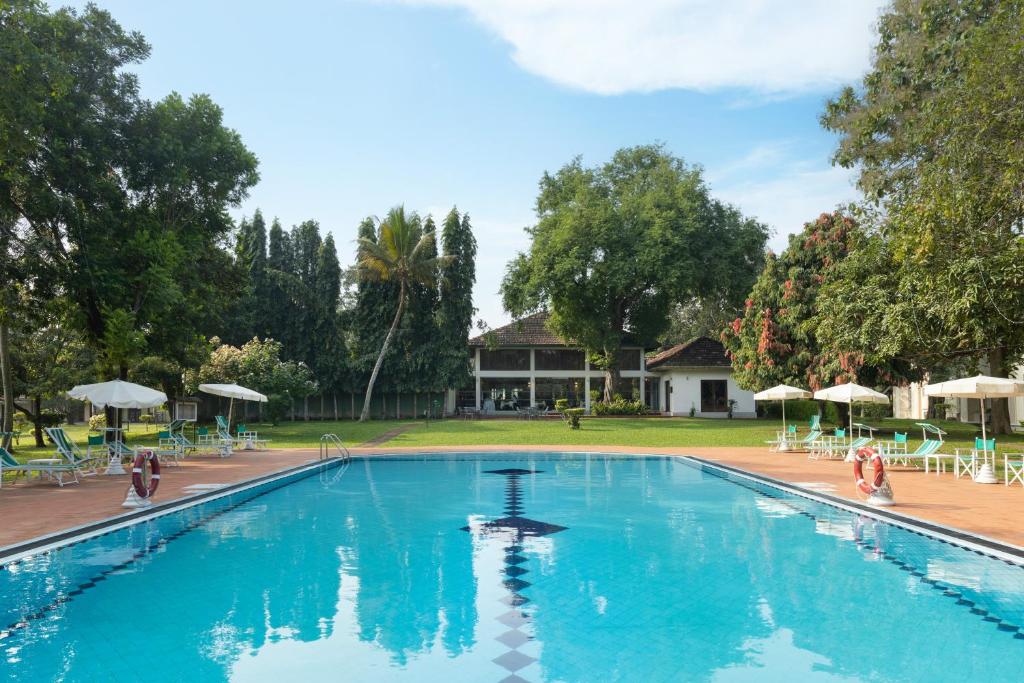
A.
x: 353, y: 107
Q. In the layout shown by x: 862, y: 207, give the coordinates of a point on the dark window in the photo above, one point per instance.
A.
x: 558, y: 359
x: 714, y: 396
x: 629, y: 359
x: 505, y: 359
x: 550, y: 389
x: 504, y: 394
x: 651, y: 393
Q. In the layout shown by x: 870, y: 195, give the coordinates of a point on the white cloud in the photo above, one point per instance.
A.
x: 616, y: 46
x: 798, y: 192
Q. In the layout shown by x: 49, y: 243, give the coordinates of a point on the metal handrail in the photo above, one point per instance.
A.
x: 329, y: 440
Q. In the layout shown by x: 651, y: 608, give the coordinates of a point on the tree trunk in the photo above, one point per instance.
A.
x: 334, y: 397
x: 37, y: 424
x: 383, y: 351
x: 351, y: 405
x: 1000, y: 406
x: 612, y: 374
x: 6, y: 384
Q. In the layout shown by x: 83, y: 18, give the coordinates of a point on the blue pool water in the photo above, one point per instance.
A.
x: 513, y: 567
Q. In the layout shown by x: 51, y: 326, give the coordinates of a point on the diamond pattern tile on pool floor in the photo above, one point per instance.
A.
x: 514, y: 660
x: 513, y: 639
x: 513, y: 679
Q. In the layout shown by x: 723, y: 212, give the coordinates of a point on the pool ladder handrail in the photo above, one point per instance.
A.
x: 329, y: 440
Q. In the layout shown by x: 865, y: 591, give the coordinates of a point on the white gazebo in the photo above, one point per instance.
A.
x: 979, y: 387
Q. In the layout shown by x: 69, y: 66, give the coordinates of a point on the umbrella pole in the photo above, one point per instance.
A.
x: 231, y: 405
x: 783, y: 417
x: 987, y: 474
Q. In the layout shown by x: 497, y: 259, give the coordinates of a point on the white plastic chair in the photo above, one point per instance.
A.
x: 1013, y: 468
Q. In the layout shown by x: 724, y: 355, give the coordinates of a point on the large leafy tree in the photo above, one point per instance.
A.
x: 402, y: 255
x: 617, y: 245
x: 935, y: 132
x: 124, y: 200
x: 778, y: 337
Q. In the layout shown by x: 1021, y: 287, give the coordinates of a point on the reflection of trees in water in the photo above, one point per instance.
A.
x: 412, y: 565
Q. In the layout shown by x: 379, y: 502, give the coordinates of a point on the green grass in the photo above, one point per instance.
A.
x: 284, y: 435
x: 641, y: 432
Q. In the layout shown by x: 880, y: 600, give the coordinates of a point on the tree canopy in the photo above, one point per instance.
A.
x: 935, y: 132
x: 616, y: 246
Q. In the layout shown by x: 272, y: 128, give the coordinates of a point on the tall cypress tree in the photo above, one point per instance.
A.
x: 251, y: 257
x: 330, y: 361
x: 455, y: 309
x: 306, y: 243
x: 279, y: 305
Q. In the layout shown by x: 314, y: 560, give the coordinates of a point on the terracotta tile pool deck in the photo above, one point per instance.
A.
x: 995, y: 511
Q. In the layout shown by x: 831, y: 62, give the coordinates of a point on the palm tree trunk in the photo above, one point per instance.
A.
x: 383, y: 351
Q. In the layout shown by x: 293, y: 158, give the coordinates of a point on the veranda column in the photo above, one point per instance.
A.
x: 586, y: 384
x: 533, y: 381
x: 476, y: 375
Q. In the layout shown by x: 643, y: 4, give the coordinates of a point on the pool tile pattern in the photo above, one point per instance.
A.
x: 518, y: 528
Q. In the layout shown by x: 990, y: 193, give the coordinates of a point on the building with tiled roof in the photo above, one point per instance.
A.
x: 696, y: 378
x: 526, y: 364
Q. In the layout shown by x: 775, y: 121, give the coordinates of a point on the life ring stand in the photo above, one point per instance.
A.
x: 139, y: 493
x: 878, y: 491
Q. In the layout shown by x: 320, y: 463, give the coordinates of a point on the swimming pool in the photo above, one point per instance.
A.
x: 509, y: 567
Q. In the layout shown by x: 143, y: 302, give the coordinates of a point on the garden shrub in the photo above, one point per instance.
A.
x: 277, y: 407
x: 97, y: 422
x: 572, y: 417
x: 619, y: 406
x: 561, y: 405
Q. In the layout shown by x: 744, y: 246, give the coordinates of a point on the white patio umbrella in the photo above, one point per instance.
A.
x: 782, y: 392
x: 233, y: 391
x: 979, y: 387
x: 118, y: 394
x: 849, y: 394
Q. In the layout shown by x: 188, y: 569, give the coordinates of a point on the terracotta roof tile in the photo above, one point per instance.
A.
x: 530, y: 331
x: 702, y: 352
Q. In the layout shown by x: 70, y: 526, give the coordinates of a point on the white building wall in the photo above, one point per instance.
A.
x: 685, y: 383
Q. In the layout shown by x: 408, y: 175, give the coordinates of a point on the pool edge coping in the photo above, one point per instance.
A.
x: 977, y: 543
x: 44, y: 543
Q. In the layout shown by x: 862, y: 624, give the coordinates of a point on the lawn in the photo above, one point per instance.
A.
x: 640, y: 432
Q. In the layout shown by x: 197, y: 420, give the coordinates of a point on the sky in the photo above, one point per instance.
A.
x: 355, y: 106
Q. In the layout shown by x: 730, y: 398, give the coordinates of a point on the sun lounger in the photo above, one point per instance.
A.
x: 86, y: 463
x: 829, y: 446
x: 53, y: 470
x: 783, y: 440
x: 805, y: 443
x: 168, y: 449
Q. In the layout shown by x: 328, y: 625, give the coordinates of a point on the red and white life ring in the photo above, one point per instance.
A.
x: 138, y: 466
x: 863, y: 455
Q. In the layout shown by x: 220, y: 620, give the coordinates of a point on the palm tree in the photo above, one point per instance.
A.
x: 402, y: 254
